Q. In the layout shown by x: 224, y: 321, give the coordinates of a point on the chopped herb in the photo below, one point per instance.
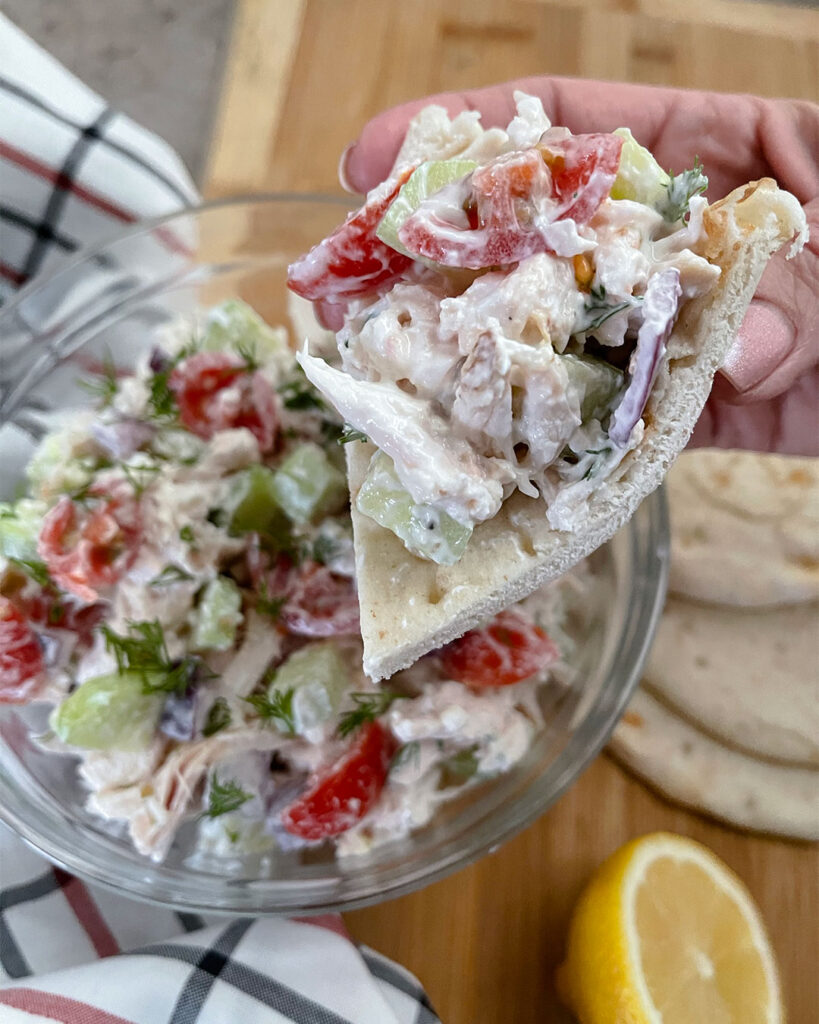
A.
x: 34, y: 569
x: 189, y: 460
x: 276, y: 705
x: 325, y: 549
x: 368, y: 707
x: 187, y: 534
x: 132, y: 476
x: 103, y: 385
x: 246, y: 351
x: 267, y: 604
x: 217, y: 517
x: 161, y: 400
x: 56, y: 614
x: 225, y: 797
x: 147, y: 655
x: 171, y: 574
x: 464, y: 764
x: 299, y: 394
x: 81, y: 495
x: 408, y: 752
x: 680, y: 190
x: 218, y: 717
x: 598, y: 309
x: 349, y: 433
x: 232, y: 834
x: 596, y: 463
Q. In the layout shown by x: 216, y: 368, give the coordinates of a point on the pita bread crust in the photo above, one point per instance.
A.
x: 747, y: 677
x: 693, y: 769
x: 410, y: 606
x: 744, y: 528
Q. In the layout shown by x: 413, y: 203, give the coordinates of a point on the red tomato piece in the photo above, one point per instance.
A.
x: 342, y: 795
x: 511, y: 648
x: 583, y: 170
x: 512, y: 199
x: 321, y: 603
x: 215, y: 391
x: 85, y: 546
x: 352, y: 260
x: 21, y: 657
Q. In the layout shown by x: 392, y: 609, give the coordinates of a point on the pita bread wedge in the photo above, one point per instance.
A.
x: 410, y: 606
x: 749, y: 677
x: 744, y: 528
x: 695, y: 770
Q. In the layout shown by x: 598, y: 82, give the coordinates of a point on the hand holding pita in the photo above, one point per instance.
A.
x: 766, y: 396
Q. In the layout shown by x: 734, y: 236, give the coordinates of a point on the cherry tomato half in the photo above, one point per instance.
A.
x: 343, y: 794
x: 321, y: 603
x: 216, y: 391
x: 21, y: 657
x: 511, y: 648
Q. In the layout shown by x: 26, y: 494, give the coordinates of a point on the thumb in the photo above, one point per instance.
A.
x: 779, y: 337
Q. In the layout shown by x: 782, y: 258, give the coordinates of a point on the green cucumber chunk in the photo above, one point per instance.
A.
x: 599, y: 384
x: 257, y: 508
x: 424, y: 530
x: 425, y: 180
x: 20, y: 527
x: 308, y: 486
x: 110, y: 712
x: 218, y: 615
x: 639, y: 176
x: 234, y: 325
x: 318, y: 677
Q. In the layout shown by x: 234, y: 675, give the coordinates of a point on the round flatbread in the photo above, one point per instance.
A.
x: 750, y: 678
x: 745, y: 528
x: 697, y: 771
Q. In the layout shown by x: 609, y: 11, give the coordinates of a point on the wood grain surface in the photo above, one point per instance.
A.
x: 302, y: 78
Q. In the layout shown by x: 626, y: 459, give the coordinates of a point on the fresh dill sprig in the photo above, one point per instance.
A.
x: 299, y: 394
x: 680, y: 190
x: 34, y: 569
x: 146, y: 654
x: 267, y: 604
x: 225, y: 797
x: 406, y: 753
x: 275, y: 705
x: 218, y: 717
x: 368, y: 707
x: 246, y: 351
x: 349, y: 433
x: 132, y: 475
x: 103, y: 385
x: 171, y: 574
x: 598, y: 309
x: 324, y: 549
x: 187, y: 535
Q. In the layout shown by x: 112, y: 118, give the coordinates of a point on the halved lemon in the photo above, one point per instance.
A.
x: 665, y: 933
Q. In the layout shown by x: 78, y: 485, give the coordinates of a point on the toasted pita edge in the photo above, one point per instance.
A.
x: 410, y: 606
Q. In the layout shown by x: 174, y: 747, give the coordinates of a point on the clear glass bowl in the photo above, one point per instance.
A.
x: 113, y: 300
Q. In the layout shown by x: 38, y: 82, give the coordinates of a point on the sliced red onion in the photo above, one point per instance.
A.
x: 159, y: 360
x: 178, y: 716
x: 123, y: 438
x: 660, y: 307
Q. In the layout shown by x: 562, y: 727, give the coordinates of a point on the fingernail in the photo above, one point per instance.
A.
x: 762, y: 343
x: 342, y: 169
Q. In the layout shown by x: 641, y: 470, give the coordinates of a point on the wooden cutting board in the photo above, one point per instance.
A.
x: 302, y: 77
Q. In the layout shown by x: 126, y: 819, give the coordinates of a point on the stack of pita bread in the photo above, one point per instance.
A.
x: 727, y: 718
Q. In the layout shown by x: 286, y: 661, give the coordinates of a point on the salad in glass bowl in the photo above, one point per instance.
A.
x: 179, y: 583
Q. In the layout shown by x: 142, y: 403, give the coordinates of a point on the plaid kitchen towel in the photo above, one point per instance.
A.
x: 73, y: 171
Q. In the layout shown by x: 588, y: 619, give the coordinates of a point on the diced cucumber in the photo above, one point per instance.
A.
x: 109, y: 712
x: 234, y: 325
x: 217, y: 615
x: 424, y: 181
x: 308, y: 486
x: 599, y: 384
x: 318, y: 678
x: 459, y: 768
x: 257, y: 508
x: 20, y: 527
x: 639, y: 176
x: 61, y: 463
x: 424, y: 530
